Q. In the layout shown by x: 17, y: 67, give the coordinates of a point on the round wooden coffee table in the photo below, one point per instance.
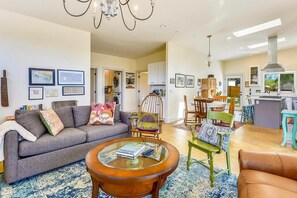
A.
x: 123, y: 177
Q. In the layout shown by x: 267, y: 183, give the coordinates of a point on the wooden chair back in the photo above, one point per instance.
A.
x: 152, y: 103
x: 200, y: 105
x: 222, y: 116
x: 186, y: 103
x: 232, y: 105
x: 220, y: 98
x: 64, y: 103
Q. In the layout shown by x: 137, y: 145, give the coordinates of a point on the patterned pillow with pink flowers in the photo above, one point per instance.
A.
x: 102, y: 114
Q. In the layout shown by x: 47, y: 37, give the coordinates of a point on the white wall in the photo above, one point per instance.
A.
x: 286, y: 57
x: 142, y: 63
x: 28, y: 42
x: 189, y: 62
x: 104, y: 61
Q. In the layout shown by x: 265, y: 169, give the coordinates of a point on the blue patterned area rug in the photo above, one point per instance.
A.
x: 74, y: 181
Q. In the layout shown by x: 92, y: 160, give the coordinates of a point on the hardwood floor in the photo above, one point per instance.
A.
x: 246, y: 137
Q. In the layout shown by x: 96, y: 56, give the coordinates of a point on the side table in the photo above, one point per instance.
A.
x: 289, y: 114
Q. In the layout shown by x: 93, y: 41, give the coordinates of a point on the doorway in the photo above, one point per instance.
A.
x: 143, y: 87
x: 113, y: 86
x: 93, y: 91
x: 233, y: 87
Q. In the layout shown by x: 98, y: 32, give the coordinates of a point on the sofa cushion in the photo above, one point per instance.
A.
x: 252, y: 183
x: 47, y: 143
x: 81, y: 115
x: 96, y: 132
x: 102, y: 114
x: 66, y: 116
x: 31, y: 121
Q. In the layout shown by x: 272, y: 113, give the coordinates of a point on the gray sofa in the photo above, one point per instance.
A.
x: 24, y: 159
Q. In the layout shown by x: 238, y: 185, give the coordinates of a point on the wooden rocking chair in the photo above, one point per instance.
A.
x: 148, y: 122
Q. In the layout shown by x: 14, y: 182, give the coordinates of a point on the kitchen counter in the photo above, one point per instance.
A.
x: 268, y: 112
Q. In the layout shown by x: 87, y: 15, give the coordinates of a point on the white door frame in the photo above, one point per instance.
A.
x: 241, y: 76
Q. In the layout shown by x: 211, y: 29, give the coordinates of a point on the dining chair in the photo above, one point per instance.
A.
x: 212, y: 140
x: 187, y: 112
x: 220, y: 99
x: 150, y: 117
x: 200, y: 105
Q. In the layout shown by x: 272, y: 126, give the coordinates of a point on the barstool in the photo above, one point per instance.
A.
x: 248, y: 112
x: 289, y: 114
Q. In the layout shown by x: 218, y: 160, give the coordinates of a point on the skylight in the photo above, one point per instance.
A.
x: 258, y: 28
x: 265, y: 43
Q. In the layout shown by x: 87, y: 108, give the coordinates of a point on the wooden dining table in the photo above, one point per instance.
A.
x: 212, y: 104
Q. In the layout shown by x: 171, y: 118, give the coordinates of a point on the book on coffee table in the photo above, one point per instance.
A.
x: 130, y: 150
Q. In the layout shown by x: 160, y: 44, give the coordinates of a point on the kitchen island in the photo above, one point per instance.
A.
x: 268, y: 111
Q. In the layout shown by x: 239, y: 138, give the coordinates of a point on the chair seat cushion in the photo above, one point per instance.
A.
x: 148, y: 122
x: 96, y: 132
x: 203, y: 145
x: 253, y: 183
x: 148, y: 126
x: 209, y: 134
x: 47, y: 143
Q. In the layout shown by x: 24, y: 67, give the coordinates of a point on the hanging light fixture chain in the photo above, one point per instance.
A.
x: 81, y: 1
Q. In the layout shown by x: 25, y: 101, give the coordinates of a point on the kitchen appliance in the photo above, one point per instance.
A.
x: 117, y: 81
x: 273, y: 66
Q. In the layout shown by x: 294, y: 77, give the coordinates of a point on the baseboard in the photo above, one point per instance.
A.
x: 169, y: 120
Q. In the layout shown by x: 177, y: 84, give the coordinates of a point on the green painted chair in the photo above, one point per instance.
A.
x: 212, y: 140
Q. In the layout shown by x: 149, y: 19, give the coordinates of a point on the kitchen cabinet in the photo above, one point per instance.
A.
x: 254, y: 76
x: 208, y: 87
x: 157, y: 73
x: 268, y: 112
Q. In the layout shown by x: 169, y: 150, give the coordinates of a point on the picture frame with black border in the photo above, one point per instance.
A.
x: 35, y: 93
x: 190, y: 81
x: 180, y: 80
x: 42, y: 77
x: 73, y: 90
x: 71, y: 77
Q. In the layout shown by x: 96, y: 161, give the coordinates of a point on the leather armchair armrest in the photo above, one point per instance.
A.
x: 270, y: 162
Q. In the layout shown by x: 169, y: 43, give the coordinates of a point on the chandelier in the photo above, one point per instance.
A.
x: 110, y: 8
x: 209, y: 57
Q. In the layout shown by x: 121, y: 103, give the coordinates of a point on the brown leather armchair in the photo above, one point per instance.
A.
x: 264, y: 174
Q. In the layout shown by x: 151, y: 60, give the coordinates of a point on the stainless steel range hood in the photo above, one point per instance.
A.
x: 273, y: 66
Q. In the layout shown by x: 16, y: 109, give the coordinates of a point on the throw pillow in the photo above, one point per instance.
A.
x: 148, y: 121
x: 102, y: 114
x: 51, y: 121
x: 66, y: 116
x: 81, y: 115
x: 30, y: 120
x: 209, y: 133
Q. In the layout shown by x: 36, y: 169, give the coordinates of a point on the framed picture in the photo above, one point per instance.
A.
x: 71, y: 77
x: 130, y: 80
x: 73, y: 90
x: 35, y: 93
x: 180, y: 80
x: 190, y: 80
x: 38, y: 76
x: 51, y: 92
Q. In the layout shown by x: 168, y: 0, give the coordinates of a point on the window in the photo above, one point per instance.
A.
x: 283, y: 82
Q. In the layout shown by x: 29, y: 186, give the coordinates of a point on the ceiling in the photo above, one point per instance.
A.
x: 188, y: 23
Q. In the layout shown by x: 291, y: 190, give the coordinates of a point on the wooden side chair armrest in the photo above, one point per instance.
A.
x: 193, y: 131
x: 221, y: 134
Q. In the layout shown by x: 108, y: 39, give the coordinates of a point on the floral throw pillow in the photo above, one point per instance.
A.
x: 102, y: 114
x: 148, y: 122
x: 209, y: 133
x: 51, y: 121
